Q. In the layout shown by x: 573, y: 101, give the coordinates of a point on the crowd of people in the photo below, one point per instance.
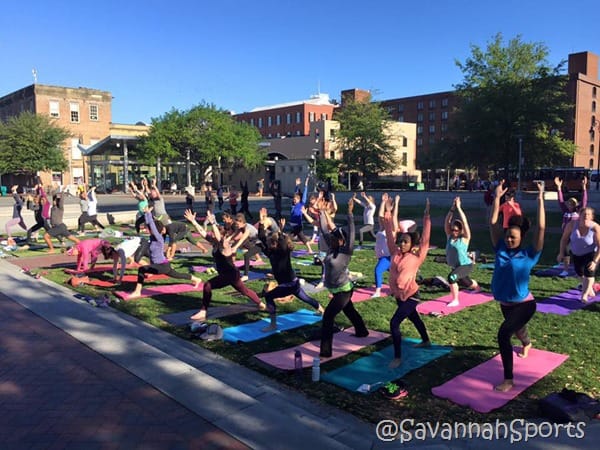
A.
x: 399, y: 249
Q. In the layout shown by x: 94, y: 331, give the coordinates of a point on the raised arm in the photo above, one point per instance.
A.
x: 395, y: 213
x: 426, y: 236
x: 496, y: 230
x: 351, y: 228
x: 538, y: 239
x: 191, y: 217
x: 355, y: 199
x: 381, y: 214
x: 584, y: 195
x: 561, y: 199
x: 463, y: 218
x: 448, y: 219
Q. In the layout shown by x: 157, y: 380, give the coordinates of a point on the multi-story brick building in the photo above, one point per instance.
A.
x: 86, y: 113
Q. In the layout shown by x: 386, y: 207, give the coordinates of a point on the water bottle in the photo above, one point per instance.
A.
x: 316, y: 369
x: 298, y: 364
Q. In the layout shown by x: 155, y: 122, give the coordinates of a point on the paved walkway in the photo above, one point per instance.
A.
x: 73, y: 376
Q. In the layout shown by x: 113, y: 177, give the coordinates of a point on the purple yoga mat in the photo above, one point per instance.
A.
x: 475, y: 387
x: 565, y: 303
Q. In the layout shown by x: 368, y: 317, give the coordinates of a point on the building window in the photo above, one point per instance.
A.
x: 431, y: 140
x: 252, y: 121
x: 298, y: 117
x: 444, y: 103
x: 269, y: 136
x: 594, y: 91
x: 593, y: 106
x: 278, y: 119
x: 444, y: 127
x: 420, y: 117
x: 432, y: 116
x: 323, y: 116
x: 444, y: 115
x: 390, y: 109
x: 419, y: 142
x: 592, y: 134
x: 332, y: 154
x: 311, y: 116
x: 420, y: 105
x: 269, y: 121
x: 260, y: 122
x: 54, y: 108
x: 404, y: 159
x: 419, y: 129
x: 431, y: 129
x: 404, y: 141
x: 332, y: 134
x: 93, y: 112
x: 431, y: 104
x: 278, y: 135
x: 298, y: 133
x: 75, y: 150
x: 591, y: 163
x: 401, y: 118
x: 74, y: 107
x: 288, y: 118
x: 592, y: 150
x: 400, y: 108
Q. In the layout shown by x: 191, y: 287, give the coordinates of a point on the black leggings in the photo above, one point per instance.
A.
x: 163, y: 268
x: 341, y: 301
x: 406, y: 309
x: 285, y: 289
x: 86, y: 218
x: 221, y: 281
x: 138, y: 223
x: 460, y: 275
x: 515, y: 322
x: 142, y: 250
x: 297, y: 231
x: 252, y: 249
x: 39, y: 224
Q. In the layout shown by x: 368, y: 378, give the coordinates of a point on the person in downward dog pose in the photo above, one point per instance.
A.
x: 227, y: 273
x: 159, y: 264
x: 510, y: 281
x: 458, y: 235
x: 278, y: 247
x: 405, y: 263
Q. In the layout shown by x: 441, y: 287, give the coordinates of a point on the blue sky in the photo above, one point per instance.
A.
x: 156, y: 55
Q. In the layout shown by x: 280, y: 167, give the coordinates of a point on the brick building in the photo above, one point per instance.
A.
x: 86, y: 113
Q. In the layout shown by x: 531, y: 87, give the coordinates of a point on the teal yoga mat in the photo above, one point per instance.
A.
x: 249, y: 332
x: 373, y: 369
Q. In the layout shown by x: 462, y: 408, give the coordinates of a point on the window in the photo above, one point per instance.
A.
x: 444, y: 115
x: 93, y: 112
x: 74, y: 107
x: 298, y: 133
x: 311, y: 116
x: 431, y: 140
x: 420, y: 105
x: 591, y: 163
x: 54, y: 108
x: 404, y: 159
x: 323, y: 116
x: 592, y: 150
x: 444, y: 103
x: 431, y: 129
x: 400, y: 107
x: 594, y: 91
x: 278, y: 119
x: 252, y: 122
x: 269, y: 121
x: 419, y: 129
x: 332, y: 154
x: 432, y: 116
x: 594, y: 106
x: 444, y: 127
x: 269, y: 136
x: 419, y: 142
x: 420, y: 117
x: 401, y: 118
x: 288, y: 118
x: 332, y: 134
x: 75, y: 150
x: 592, y: 134
x: 298, y: 117
x: 404, y: 141
x: 390, y: 109
x: 431, y: 104
x: 260, y: 122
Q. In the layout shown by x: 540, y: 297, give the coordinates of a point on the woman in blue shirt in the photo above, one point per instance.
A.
x: 510, y: 282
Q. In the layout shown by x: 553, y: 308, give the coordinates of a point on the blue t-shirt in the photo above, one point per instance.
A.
x: 512, y: 268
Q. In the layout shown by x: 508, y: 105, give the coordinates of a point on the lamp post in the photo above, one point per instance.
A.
x: 188, y: 170
x: 595, y: 127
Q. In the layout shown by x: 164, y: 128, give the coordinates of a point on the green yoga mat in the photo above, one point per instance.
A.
x: 373, y: 369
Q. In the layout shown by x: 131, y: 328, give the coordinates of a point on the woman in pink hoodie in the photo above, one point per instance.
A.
x: 405, y: 263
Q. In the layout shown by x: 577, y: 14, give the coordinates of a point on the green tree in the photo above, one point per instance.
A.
x: 207, y: 133
x: 30, y: 143
x: 363, y: 140
x: 508, y: 92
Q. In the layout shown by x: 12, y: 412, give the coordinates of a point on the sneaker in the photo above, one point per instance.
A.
x: 453, y: 303
x: 244, y: 278
x: 563, y: 274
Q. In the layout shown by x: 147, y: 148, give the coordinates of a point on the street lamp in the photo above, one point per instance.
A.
x: 188, y: 169
x: 595, y: 127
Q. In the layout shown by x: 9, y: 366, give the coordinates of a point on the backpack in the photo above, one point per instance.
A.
x: 569, y: 406
x: 206, y: 332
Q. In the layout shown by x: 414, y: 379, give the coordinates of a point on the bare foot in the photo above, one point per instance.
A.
x: 133, y: 295
x: 422, y: 344
x: 525, y: 351
x: 453, y: 303
x: 394, y: 363
x: 269, y: 328
x: 196, y: 281
x: 321, y: 310
x: 200, y: 315
x: 262, y: 306
x: 505, y: 386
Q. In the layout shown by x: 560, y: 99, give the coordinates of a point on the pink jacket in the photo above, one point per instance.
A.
x: 88, y: 251
x: 404, y: 267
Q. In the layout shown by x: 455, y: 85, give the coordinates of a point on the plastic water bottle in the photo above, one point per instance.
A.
x: 316, y: 369
x: 298, y: 364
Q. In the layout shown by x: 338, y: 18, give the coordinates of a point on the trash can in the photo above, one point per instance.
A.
x: 3, y: 190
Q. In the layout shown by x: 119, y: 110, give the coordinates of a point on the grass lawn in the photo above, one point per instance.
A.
x: 471, y: 332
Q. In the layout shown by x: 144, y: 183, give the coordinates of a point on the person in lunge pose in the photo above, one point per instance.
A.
x: 458, y: 235
x: 159, y: 264
x: 510, y: 281
x: 227, y: 273
x: 337, y: 281
x: 57, y: 228
x: 17, y: 218
x: 405, y: 263
x: 369, y: 208
x: 278, y: 247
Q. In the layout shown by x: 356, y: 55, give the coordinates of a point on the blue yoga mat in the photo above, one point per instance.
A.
x: 249, y: 332
x: 373, y: 369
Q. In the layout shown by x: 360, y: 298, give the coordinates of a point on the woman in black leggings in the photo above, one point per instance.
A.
x: 227, y: 273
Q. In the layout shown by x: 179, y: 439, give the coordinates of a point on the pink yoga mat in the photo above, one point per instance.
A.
x: 343, y: 343
x: 160, y: 289
x: 126, y: 279
x: 240, y: 263
x: 440, y: 305
x: 475, y: 387
x: 362, y: 294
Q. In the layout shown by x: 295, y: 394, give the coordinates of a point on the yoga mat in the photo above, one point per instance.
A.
x: 343, y: 344
x: 565, y: 303
x: 364, y: 293
x: 249, y: 332
x: 489, y: 266
x: 555, y: 271
x: 199, y: 269
x: 305, y: 262
x: 160, y: 289
x: 297, y: 253
x: 126, y: 279
x: 475, y: 387
x: 240, y: 263
x: 310, y: 288
x: 466, y: 299
x: 373, y: 369
x: 100, y: 268
x: 214, y: 312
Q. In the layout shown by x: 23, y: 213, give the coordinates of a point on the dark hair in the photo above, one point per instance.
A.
x: 520, y: 222
x: 414, y: 238
x: 340, y: 233
x: 159, y: 225
x: 458, y: 223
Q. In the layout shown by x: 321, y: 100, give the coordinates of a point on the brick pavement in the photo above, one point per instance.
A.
x: 56, y: 393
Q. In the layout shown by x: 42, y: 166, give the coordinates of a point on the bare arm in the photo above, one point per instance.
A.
x: 395, y: 212
x: 191, y: 217
x: 495, y: 227
x: 538, y: 240
x: 463, y: 219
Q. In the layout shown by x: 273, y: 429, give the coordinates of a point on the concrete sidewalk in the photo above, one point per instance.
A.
x: 166, y: 393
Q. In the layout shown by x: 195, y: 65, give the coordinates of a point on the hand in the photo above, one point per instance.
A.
x: 584, y: 183
x: 500, y: 189
x: 457, y: 202
x: 384, y: 197
x: 350, y: 206
x: 189, y: 215
x: 540, y: 186
x: 557, y: 182
x: 389, y: 205
x: 262, y: 213
x: 397, y: 199
x: 282, y: 223
x: 363, y: 194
